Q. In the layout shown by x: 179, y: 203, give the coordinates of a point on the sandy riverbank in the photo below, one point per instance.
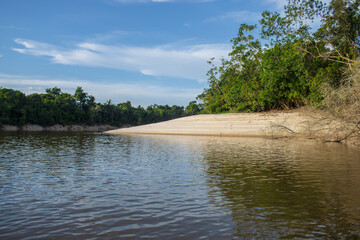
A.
x: 271, y: 124
x: 299, y: 123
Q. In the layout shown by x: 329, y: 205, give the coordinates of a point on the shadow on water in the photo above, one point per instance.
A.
x: 277, y: 189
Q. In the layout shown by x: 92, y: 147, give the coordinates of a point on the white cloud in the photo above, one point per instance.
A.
x: 138, y: 94
x: 188, y: 62
x: 238, y: 16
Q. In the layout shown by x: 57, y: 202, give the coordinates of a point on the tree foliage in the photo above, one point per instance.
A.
x: 288, y: 63
x: 56, y: 107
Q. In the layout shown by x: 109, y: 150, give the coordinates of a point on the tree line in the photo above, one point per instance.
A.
x: 56, y: 107
x: 283, y: 63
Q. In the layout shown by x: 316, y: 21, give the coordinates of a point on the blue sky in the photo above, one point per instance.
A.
x: 144, y: 51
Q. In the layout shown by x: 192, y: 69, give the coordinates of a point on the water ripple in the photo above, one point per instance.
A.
x: 95, y: 186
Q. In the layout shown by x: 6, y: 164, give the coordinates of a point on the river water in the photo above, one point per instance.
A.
x: 98, y: 186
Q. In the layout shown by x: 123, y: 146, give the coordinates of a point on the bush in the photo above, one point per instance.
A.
x: 343, y: 101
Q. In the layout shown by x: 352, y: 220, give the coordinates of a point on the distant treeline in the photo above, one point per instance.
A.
x: 56, y: 107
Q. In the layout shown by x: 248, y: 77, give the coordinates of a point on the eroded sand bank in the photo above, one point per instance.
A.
x: 232, y: 124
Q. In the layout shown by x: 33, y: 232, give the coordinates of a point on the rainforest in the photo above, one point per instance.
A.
x: 300, y: 57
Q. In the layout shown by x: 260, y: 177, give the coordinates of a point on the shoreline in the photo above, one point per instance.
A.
x: 229, y: 124
x: 305, y: 123
x: 300, y: 123
x: 57, y: 128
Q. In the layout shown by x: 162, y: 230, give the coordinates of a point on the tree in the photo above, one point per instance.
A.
x: 56, y: 107
x: 287, y: 65
x: 193, y: 108
x: 55, y: 91
x: 12, y: 107
x: 80, y: 96
x: 341, y: 32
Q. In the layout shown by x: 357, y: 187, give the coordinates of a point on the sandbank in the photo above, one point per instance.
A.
x: 233, y: 124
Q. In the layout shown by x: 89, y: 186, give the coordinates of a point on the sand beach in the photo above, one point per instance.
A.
x: 273, y: 124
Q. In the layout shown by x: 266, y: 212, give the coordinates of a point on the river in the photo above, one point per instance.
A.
x: 98, y: 186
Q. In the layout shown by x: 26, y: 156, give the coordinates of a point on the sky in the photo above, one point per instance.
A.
x: 143, y: 51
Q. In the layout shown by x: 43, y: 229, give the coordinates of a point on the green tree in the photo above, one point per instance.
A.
x: 287, y: 65
x: 12, y: 107
x: 340, y: 31
x: 56, y: 107
x: 55, y: 91
x: 193, y: 108
x: 80, y: 96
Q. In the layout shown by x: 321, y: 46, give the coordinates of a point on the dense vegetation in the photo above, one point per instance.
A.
x: 288, y: 64
x: 282, y: 64
x: 56, y: 107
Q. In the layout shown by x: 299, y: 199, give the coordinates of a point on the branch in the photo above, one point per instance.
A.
x: 331, y: 58
x: 283, y: 127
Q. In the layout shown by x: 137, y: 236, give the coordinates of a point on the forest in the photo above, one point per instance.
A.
x: 308, y: 55
x: 291, y: 59
x: 56, y: 107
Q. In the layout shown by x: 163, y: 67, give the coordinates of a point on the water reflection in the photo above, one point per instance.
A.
x: 286, y: 189
x: 281, y: 189
x: 84, y: 186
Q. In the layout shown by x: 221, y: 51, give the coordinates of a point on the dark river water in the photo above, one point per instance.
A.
x: 97, y: 186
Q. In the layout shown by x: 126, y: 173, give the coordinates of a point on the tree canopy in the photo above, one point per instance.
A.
x: 286, y: 65
x: 56, y: 107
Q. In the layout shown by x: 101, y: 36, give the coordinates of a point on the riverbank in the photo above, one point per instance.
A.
x: 300, y: 123
x: 58, y: 128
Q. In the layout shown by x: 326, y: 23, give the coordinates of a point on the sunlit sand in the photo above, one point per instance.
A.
x: 232, y: 124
